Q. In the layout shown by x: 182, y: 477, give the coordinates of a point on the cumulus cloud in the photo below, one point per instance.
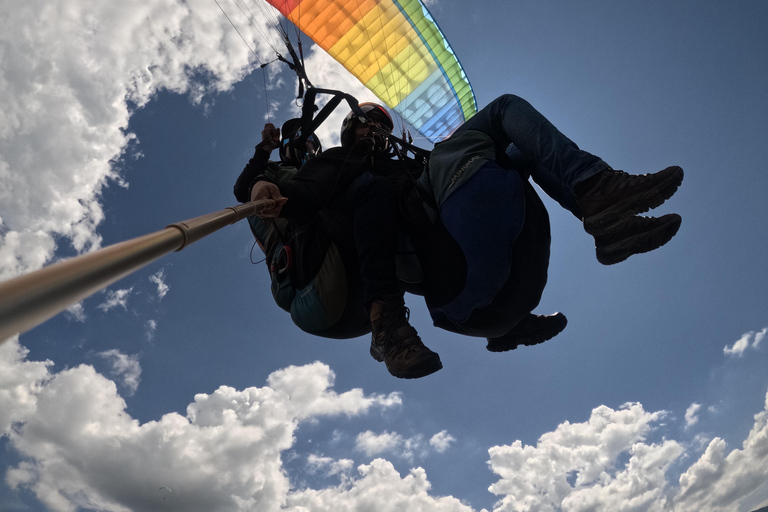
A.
x: 577, y: 468
x: 408, y: 448
x: 159, y: 279
x: 125, y: 367
x: 371, y: 443
x: 380, y: 488
x: 748, y: 340
x: 719, y: 479
x: 80, y: 448
x: 307, y: 389
x: 441, y: 441
x: 70, y: 74
x: 691, y: 415
x: 115, y: 298
x: 539, y: 477
x: 20, y: 382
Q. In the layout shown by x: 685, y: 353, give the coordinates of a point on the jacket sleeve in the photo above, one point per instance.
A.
x: 317, y: 184
x: 255, y: 166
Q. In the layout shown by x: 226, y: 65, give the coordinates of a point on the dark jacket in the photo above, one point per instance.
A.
x: 324, y: 178
x: 255, y: 166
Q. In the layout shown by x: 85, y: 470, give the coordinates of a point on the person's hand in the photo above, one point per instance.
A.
x: 266, y: 190
x: 270, y: 137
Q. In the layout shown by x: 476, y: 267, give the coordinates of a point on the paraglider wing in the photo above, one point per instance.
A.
x: 395, y: 48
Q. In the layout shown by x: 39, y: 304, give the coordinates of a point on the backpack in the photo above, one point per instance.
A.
x: 313, y: 269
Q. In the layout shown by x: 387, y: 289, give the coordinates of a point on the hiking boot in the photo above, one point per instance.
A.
x: 532, y: 330
x: 398, y: 345
x: 610, y: 196
x: 634, y: 236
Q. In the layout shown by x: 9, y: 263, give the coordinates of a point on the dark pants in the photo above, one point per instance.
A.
x: 536, y: 147
x: 371, y: 203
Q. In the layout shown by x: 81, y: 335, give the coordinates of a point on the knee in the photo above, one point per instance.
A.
x: 507, y: 100
x: 509, y: 97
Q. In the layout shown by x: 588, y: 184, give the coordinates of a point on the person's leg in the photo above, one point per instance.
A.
x: 371, y: 201
x: 554, y: 161
x: 606, y: 201
x: 551, y: 186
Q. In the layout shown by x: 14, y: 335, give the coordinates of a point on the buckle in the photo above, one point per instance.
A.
x: 283, y: 261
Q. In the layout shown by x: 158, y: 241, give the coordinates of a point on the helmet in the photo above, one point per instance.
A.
x: 375, y: 113
x: 290, y: 152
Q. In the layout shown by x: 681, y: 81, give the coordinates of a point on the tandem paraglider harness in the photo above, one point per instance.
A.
x: 474, y: 282
x: 313, y: 266
x: 312, y: 269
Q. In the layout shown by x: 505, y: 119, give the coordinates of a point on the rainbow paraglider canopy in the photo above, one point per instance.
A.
x: 395, y: 48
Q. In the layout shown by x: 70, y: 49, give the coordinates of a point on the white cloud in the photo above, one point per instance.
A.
x: 151, y: 327
x: 700, y: 442
x: 691, y: 415
x: 748, y: 340
x: 371, y: 443
x: 738, y: 348
x: 159, y: 279
x: 77, y: 312
x: 537, y: 477
x: 80, y: 448
x: 20, y: 381
x: 718, y: 480
x: 380, y: 489
x: 69, y: 69
x: 125, y: 367
x: 307, y: 391
x: 759, y: 337
x: 115, y: 298
x: 441, y: 441
x: 21, y: 251
x: 576, y: 468
x: 330, y: 465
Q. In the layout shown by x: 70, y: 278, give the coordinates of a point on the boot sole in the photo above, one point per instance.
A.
x: 638, y: 244
x: 609, y: 219
x: 549, y: 329
x: 419, y: 371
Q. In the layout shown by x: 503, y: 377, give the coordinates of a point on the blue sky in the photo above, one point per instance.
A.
x: 186, y: 375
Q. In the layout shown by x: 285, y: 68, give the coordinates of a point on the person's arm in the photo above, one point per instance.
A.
x: 270, y: 140
x: 314, y: 186
x: 319, y: 182
x: 268, y: 190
